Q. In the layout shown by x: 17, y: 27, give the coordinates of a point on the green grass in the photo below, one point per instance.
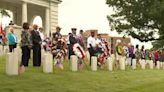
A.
x: 34, y: 80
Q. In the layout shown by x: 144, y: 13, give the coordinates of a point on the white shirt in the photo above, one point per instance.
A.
x: 99, y: 43
x: 92, y: 41
x: 67, y: 40
x: 41, y: 35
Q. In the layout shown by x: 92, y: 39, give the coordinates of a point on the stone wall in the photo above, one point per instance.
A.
x: 34, y: 8
x: 53, y: 16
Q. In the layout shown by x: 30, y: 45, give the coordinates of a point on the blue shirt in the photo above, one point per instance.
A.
x: 12, y: 39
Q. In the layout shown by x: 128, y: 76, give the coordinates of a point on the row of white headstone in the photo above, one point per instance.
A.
x: 110, y: 63
x: 13, y: 59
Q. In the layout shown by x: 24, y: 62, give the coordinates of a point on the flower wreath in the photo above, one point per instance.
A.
x: 78, y: 50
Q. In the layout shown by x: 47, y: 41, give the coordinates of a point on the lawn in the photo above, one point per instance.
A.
x: 34, y: 80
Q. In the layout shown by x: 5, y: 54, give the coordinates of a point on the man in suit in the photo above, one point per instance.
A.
x: 36, y: 40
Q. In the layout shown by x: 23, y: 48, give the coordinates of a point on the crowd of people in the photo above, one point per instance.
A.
x: 32, y: 38
x: 131, y: 52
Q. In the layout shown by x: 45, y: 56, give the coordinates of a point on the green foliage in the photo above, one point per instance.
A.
x: 4, y: 12
x: 139, y: 18
x: 60, y: 0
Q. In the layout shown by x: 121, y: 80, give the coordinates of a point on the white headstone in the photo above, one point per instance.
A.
x: 94, y: 63
x: 143, y: 64
x: 18, y: 52
x: 158, y: 64
x: 133, y: 63
x: 48, y: 63
x: 12, y: 64
x: 42, y: 55
x: 6, y: 49
x: 88, y: 55
x: 162, y: 65
x: 110, y: 64
x: 1, y: 50
x: 151, y: 64
x: 147, y: 62
x: 128, y: 61
x: 74, y: 63
x: 122, y: 63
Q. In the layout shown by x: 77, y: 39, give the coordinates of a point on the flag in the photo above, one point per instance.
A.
x: 1, y: 29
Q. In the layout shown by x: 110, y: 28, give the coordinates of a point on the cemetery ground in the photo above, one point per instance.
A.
x: 34, y: 80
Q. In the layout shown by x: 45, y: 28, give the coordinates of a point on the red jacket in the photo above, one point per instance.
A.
x: 163, y: 55
x: 156, y: 54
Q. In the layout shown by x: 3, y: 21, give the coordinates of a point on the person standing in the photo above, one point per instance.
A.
x: 58, y: 48
x: 156, y: 56
x: 26, y: 45
x: 131, y: 53
x: 91, y: 45
x: 41, y: 36
x: 72, y: 39
x: 57, y: 34
x: 160, y: 58
x: 41, y: 33
x: 0, y: 39
x: 163, y: 55
x: 81, y: 47
x: 81, y: 39
x: 99, y: 44
x: 142, y: 52
x: 55, y: 37
x: 137, y: 54
x: 12, y: 40
x: 119, y: 52
x: 36, y: 41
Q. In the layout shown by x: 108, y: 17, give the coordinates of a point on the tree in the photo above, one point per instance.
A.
x: 141, y: 19
x: 4, y: 12
x: 160, y: 19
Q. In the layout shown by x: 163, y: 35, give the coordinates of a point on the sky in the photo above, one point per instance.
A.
x: 88, y: 14
x: 84, y: 14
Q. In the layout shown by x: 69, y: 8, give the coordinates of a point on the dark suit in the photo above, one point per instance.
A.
x: 72, y: 41
x: 36, y: 40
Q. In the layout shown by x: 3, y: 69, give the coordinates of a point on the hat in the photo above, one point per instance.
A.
x: 118, y: 41
x: 73, y: 28
x: 92, y: 31
x: 58, y: 27
x: 81, y: 31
